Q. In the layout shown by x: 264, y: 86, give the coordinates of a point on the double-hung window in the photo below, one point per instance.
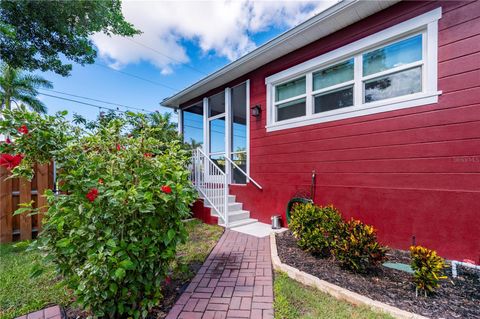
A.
x: 290, y: 99
x: 393, y: 69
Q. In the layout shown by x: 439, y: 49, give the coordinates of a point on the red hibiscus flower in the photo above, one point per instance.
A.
x: 119, y: 147
x: 100, y: 181
x: 166, y: 189
x: 23, y: 129
x: 92, y: 194
x: 10, y: 161
x: 147, y: 154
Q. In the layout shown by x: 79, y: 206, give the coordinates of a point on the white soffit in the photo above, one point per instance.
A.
x: 335, y: 18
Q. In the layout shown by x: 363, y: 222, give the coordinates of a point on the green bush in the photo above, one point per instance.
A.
x: 428, y: 268
x: 315, y: 227
x: 357, y: 248
x: 113, y: 230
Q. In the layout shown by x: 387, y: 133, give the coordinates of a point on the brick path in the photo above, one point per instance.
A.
x: 47, y: 313
x: 234, y: 282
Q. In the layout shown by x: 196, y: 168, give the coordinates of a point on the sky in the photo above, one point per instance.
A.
x: 181, y: 42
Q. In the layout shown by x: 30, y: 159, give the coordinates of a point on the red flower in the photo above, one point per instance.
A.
x: 10, y: 161
x: 166, y: 189
x: 92, y: 194
x: 23, y: 129
x: 147, y: 154
x: 8, y: 141
x: 100, y: 181
x: 119, y: 147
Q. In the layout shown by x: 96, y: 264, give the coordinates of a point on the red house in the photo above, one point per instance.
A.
x: 380, y: 99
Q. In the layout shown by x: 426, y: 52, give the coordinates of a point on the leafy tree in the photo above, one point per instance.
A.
x: 19, y: 87
x: 34, y: 35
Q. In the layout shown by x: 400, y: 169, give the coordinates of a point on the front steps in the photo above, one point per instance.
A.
x: 236, y: 215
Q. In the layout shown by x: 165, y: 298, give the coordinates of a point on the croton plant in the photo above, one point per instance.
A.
x: 113, y: 227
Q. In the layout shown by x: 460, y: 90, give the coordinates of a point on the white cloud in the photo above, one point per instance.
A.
x: 223, y: 28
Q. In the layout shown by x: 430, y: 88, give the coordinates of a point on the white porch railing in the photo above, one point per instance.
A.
x: 243, y: 172
x: 211, y: 182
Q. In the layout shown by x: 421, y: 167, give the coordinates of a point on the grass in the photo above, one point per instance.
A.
x: 20, y: 294
x: 201, y: 240
x: 296, y: 301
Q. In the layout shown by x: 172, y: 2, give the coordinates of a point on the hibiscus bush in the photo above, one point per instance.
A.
x: 113, y: 229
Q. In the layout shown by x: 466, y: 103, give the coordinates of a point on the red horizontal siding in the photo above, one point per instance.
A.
x: 411, y: 172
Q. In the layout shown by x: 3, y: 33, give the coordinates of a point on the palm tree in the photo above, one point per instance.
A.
x: 19, y: 87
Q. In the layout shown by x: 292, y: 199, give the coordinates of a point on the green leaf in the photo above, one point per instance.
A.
x: 64, y: 242
x: 111, y: 243
x: 127, y: 264
x: 21, y: 211
x: 120, y: 273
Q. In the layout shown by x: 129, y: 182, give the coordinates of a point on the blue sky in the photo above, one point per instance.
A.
x: 172, y: 52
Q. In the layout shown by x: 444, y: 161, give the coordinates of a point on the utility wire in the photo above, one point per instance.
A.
x: 137, y: 77
x: 101, y: 101
x: 167, y: 56
x: 80, y: 102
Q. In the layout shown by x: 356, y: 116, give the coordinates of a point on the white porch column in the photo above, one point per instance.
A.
x: 206, y: 146
x: 228, y: 133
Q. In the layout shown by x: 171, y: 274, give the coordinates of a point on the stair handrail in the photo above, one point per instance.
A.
x: 197, y: 153
x: 243, y: 172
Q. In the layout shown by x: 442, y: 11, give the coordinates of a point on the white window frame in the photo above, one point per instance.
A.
x: 425, y: 24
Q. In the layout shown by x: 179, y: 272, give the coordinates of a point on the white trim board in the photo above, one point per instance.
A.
x: 426, y: 24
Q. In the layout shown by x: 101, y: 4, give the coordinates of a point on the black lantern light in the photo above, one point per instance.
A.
x: 256, y: 110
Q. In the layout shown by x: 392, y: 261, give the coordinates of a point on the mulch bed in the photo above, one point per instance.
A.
x: 456, y: 298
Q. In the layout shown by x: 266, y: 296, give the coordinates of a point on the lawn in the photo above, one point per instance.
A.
x: 296, y: 301
x: 20, y: 294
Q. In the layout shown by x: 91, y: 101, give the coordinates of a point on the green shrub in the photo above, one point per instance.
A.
x: 428, y: 268
x: 315, y: 227
x: 113, y: 230
x: 357, y: 248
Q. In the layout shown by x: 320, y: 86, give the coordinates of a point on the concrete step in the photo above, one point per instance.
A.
x: 240, y: 223
x: 238, y: 215
x: 231, y: 200
x: 232, y: 207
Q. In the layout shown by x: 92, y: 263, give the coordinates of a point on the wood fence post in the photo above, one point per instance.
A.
x: 6, y: 231
x: 42, y: 185
x: 25, y: 219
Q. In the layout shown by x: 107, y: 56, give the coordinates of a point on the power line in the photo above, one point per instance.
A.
x: 101, y: 101
x: 80, y: 102
x: 137, y: 77
x: 167, y: 56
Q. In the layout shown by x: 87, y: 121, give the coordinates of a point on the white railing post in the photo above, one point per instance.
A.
x: 225, y: 199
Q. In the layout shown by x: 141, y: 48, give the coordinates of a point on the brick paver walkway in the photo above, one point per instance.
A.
x: 234, y: 282
x: 47, y: 313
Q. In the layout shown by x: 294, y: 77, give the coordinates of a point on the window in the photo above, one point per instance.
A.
x: 290, y: 99
x: 392, y: 69
x: 333, y: 87
x: 402, y: 61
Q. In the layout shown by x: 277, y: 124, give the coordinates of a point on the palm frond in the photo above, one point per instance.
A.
x: 33, y: 103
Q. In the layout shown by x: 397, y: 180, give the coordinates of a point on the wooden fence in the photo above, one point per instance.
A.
x: 16, y: 191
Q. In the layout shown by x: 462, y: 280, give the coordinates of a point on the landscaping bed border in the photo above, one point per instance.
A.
x: 334, y: 290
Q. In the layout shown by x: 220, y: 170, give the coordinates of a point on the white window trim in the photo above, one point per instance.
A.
x: 426, y: 23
